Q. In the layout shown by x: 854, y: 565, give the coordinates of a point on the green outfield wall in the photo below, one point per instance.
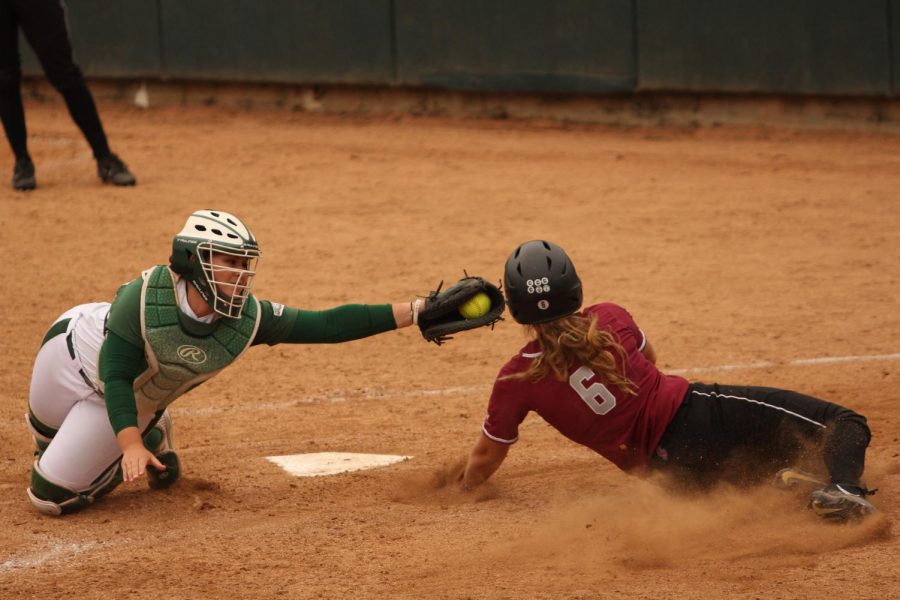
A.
x: 333, y: 41
x: 783, y: 46
x: 810, y: 47
x: 894, y: 10
x: 535, y: 45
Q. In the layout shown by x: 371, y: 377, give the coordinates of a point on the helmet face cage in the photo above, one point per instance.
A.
x: 230, y: 285
x: 541, y: 284
x: 204, y: 253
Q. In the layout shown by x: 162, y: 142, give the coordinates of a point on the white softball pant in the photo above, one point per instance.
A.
x: 85, y: 445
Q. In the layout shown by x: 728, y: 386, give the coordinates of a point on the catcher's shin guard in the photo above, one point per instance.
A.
x: 163, y: 447
x: 42, y: 434
x: 54, y: 499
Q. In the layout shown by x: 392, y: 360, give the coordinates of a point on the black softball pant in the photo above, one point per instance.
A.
x: 44, y: 24
x: 744, y: 435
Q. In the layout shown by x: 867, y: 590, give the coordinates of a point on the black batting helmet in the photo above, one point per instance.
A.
x: 541, y: 284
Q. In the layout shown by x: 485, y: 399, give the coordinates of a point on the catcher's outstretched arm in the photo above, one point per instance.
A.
x: 485, y: 459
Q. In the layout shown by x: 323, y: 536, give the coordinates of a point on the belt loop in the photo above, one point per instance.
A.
x: 71, y: 346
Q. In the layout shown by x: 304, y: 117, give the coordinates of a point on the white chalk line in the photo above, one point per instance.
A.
x: 799, y: 362
x: 330, y: 398
x: 35, y: 558
x: 389, y: 394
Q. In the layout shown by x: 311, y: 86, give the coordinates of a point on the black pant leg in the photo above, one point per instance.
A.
x: 12, y: 113
x: 743, y: 434
x: 44, y: 23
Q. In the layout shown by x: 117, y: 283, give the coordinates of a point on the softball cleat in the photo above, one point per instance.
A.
x: 841, y: 503
x: 112, y: 170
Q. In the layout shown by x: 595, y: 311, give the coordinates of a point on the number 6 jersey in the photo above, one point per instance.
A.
x: 622, y: 427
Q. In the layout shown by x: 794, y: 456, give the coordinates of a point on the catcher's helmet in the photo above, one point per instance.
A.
x: 541, y: 284
x: 211, y: 232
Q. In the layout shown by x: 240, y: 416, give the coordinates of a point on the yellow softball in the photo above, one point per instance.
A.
x: 476, y: 306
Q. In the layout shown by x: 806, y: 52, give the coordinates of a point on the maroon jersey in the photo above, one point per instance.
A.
x: 587, y: 409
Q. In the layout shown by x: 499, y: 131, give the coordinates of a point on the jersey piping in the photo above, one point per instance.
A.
x: 752, y: 401
x: 497, y: 439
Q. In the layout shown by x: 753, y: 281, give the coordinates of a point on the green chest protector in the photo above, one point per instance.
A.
x: 182, y: 353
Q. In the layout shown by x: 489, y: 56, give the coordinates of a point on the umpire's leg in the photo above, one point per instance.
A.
x: 11, y: 111
x: 44, y: 23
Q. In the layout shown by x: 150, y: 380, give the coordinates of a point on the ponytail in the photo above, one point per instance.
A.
x: 576, y: 338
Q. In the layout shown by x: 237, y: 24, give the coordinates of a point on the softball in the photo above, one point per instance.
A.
x: 476, y: 306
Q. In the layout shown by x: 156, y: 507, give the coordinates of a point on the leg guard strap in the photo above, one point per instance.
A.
x: 41, y: 433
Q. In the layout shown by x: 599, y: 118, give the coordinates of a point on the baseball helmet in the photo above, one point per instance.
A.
x: 541, y: 284
x: 213, y: 232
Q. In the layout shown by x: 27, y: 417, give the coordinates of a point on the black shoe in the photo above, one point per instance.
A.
x: 841, y: 502
x: 112, y: 170
x: 23, y: 175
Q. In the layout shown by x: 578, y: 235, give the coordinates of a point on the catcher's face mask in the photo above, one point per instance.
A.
x: 230, y: 276
x: 541, y: 284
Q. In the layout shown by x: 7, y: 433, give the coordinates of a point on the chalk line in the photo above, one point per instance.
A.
x: 837, y: 359
x: 336, y: 397
x: 35, y: 558
x: 799, y: 362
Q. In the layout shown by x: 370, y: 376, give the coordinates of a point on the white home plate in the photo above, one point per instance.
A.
x: 332, y: 463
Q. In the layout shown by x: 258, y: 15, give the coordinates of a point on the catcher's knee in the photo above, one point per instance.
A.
x: 55, y: 499
x: 159, y: 439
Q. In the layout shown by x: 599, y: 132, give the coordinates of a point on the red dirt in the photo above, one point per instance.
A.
x: 729, y: 246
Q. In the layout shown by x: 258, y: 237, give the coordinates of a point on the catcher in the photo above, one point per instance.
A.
x: 592, y: 375
x: 105, y: 373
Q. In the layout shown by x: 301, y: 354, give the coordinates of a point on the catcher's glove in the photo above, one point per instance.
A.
x: 440, y: 318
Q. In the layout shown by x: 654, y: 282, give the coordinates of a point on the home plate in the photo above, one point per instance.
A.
x: 332, y: 463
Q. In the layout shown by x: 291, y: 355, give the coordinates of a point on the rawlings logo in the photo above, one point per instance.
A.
x: 191, y: 354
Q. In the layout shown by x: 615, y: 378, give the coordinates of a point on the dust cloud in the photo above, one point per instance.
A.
x: 440, y: 486
x: 642, y: 525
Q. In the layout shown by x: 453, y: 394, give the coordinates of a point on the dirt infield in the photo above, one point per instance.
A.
x: 742, y: 252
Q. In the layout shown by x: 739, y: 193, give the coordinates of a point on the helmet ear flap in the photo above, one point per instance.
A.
x: 182, y: 266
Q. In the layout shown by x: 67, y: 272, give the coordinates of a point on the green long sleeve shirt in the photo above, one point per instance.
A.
x: 122, y: 357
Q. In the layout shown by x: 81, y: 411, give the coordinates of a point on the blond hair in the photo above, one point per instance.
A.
x: 576, y: 338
